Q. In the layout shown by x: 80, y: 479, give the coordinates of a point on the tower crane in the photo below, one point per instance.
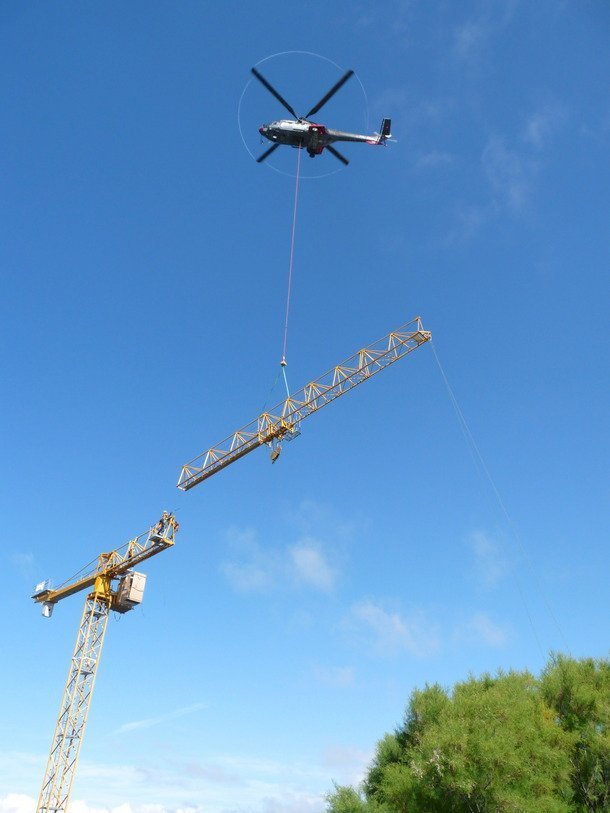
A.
x: 283, y: 421
x: 113, y: 585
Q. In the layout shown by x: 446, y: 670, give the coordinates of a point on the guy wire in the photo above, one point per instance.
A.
x: 480, y: 463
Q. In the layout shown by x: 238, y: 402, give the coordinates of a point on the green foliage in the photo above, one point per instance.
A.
x: 346, y: 800
x: 507, y: 744
x: 579, y: 694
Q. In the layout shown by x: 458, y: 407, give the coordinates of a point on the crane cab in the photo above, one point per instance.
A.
x: 130, y: 592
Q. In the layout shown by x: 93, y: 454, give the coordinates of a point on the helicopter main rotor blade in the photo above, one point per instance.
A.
x: 273, y: 92
x: 330, y: 93
x: 267, y: 153
x: 337, y: 154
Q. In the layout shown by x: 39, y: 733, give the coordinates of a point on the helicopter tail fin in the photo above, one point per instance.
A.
x: 384, y: 131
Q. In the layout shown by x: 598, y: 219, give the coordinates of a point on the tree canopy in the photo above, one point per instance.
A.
x: 511, y: 743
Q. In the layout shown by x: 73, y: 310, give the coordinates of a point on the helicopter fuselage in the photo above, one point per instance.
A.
x: 308, y: 135
x: 302, y: 133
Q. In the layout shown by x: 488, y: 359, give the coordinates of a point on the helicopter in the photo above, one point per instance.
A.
x: 302, y: 133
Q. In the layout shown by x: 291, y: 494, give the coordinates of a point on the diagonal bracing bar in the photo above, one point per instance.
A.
x: 112, y: 565
x: 284, y: 419
x: 105, y: 595
x: 74, y: 708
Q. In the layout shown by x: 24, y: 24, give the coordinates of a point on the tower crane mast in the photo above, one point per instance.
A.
x: 283, y: 421
x: 113, y: 585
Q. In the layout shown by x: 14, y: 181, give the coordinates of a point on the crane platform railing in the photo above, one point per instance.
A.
x: 116, y: 562
x: 282, y: 422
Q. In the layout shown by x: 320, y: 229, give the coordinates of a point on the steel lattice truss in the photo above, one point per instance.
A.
x: 74, y: 708
x: 114, y: 564
x: 282, y: 422
x: 70, y: 726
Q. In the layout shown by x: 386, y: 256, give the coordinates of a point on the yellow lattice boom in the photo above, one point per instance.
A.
x: 113, y: 585
x: 111, y: 582
x: 112, y: 565
x: 282, y: 422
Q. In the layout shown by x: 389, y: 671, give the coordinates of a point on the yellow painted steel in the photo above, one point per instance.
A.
x: 282, y: 422
x: 74, y: 709
x: 114, y: 564
x: 76, y: 699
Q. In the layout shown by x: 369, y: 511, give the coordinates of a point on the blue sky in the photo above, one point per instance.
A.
x: 145, y: 257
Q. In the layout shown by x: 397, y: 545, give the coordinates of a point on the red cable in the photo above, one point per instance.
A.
x: 294, y: 223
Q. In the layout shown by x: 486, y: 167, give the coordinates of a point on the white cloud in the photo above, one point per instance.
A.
x: 20, y: 803
x: 435, y: 158
x: 24, y: 563
x: 347, y: 764
x: 317, y: 519
x: 20, y: 770
x: 263, y: 787
x: 247, y: 577
x: 543, y: 124
x: 174, y: 783
x: 393, y: 99
x: 339, y: 677
x: 119, y: 775
x: 22, y: 559
x: 390, y: 633
x: 509, y: 174
x: 250, y: 570
x: 162, y: 718
x: 468, y: 221
x: 597, y: 129
x: 17, y: 803
x: 480, y: 629
x: 79, y: 806
x: 213, y: 773
x: 491, y: 565
x: 290, y: 803
x: 469, y: 39
x: 310, y: 565
x: 410, y: 112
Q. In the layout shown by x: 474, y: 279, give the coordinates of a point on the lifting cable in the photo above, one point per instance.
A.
x: 283, y: 362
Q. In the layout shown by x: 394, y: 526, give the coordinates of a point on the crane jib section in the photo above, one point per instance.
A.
x: 282, y: 422
x: 113, y: 564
